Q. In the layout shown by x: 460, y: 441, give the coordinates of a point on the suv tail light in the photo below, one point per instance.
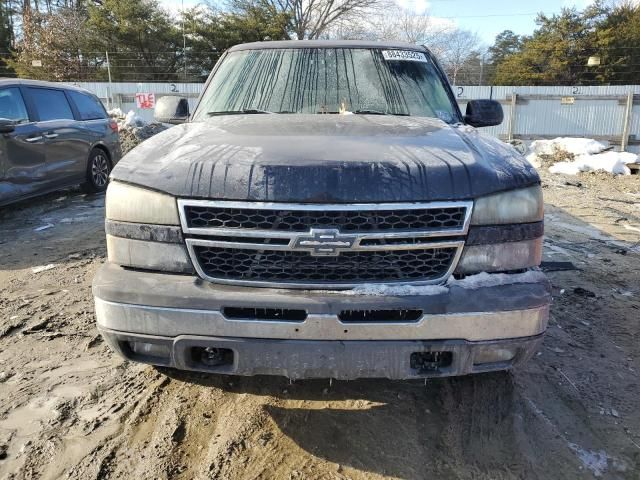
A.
x: 113, y: 125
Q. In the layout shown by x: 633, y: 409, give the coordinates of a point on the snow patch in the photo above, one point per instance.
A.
x: 612, y: 162
x: 596, y: 462
x: 397, y: 290
x: 43, y: 268
x: 128, y: 120
x: 575, y: 146
x: 133, y: 120
x: 533, y: 159
x: 484, y: 279
x: 575, y: 155
x: 115, y: 112
x: 43, y: 227
x: 471, y: 282
x: 133, y: 128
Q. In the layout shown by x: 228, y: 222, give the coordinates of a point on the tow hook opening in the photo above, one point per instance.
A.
x: 425, y: 362
x: 212, y: 356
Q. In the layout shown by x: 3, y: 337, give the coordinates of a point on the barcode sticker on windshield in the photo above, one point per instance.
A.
x: 404, y: 55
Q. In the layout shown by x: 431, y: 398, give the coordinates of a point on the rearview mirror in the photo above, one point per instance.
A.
x: 484, y: 113
x: 171, y: 109
x: 6, y: 125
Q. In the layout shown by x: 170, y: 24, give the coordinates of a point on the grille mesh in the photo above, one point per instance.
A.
x: 348, y: 267
x: 345, y: 221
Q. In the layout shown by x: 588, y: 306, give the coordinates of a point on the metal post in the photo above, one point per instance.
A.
x: 481, y: 70
x: 184, y: 44
x: 624, y: 142
x: 110, y: 98
x: 512, y: 116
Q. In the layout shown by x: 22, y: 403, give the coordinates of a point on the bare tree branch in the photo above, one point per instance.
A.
x: 312, y: 18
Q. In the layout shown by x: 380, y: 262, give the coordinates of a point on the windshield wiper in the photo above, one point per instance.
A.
x: 378, y: 112
x: 247, y: 111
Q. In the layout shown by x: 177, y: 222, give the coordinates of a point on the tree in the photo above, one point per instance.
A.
x: 473, y: 70
x: 70, y: 41
x: 312, y: 18
x: 618, y: 45
x: 407, y: 25
x: 557, y: 52
x: 143, y: 40
x: 6, y: 38
x: 456, y: 49
x: 460, y: 47
x: 506, y: 43
x: 57, y: 41
x: 210, y: 32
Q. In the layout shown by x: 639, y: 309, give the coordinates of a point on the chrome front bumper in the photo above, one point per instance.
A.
x: 173, y: 322
x: 181, y: 314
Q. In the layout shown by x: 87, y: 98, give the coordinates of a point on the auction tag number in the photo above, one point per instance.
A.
x: 404, y: 55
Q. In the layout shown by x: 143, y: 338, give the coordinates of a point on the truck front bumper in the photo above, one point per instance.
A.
x: 179, y: 321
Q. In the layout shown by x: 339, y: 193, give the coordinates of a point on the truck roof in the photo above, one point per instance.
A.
x: 327, y: 44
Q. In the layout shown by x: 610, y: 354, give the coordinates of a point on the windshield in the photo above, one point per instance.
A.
x: 327, y: 80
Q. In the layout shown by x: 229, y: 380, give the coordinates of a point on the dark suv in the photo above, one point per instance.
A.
x: 326, y: 211
x: 53, y: 136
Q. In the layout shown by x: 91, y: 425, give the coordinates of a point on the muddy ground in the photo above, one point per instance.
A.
x: 69, y: 408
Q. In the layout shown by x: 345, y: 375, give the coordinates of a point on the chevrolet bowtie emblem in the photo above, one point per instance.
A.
x: 329, y: 242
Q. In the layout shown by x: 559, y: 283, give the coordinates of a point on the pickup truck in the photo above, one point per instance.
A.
x: 325, y: 211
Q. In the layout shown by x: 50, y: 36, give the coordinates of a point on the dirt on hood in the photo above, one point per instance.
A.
x: 70, y: 408
x: 335, y: 159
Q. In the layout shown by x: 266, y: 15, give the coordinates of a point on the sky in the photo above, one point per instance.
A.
x: 487, y: 18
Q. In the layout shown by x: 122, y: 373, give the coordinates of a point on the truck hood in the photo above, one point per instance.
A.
x: 325, y: 158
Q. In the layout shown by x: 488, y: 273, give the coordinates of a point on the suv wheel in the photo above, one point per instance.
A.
x: 98, y: 169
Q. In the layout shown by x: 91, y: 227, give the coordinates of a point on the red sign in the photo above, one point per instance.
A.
x: 145, y: 100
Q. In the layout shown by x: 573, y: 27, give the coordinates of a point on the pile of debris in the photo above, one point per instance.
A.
x: 571, y: 156
x: 134, y: 129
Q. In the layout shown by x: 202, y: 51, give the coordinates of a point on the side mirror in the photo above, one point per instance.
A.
x: 6, y: 125
x: 171, y: 109
x: 484, y: 113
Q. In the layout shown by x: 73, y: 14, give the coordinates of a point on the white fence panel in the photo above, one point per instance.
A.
x: 122, y: 95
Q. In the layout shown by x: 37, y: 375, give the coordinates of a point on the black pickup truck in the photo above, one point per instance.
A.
x: 326, y: 211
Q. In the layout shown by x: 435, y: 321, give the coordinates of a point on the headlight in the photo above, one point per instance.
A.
x: 506, y: 232
x: 515, y: 206
x: 126, y: 203
x: 163, y: 257
x: 501, y: 257
x: 143, y: 230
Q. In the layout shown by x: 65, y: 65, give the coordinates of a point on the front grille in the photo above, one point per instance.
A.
x: 349, y: 267
x: 323, y: 245
x: 344, y: 220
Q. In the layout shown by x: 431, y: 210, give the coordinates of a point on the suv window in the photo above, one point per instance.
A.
x: 50, y: 104
x: 12, y: 105
x: 90, y: 108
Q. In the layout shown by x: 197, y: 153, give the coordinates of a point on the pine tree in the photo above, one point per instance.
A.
x: 6, y: 38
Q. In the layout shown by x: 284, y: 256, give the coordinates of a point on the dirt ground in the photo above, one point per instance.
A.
x: 69, y: 408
